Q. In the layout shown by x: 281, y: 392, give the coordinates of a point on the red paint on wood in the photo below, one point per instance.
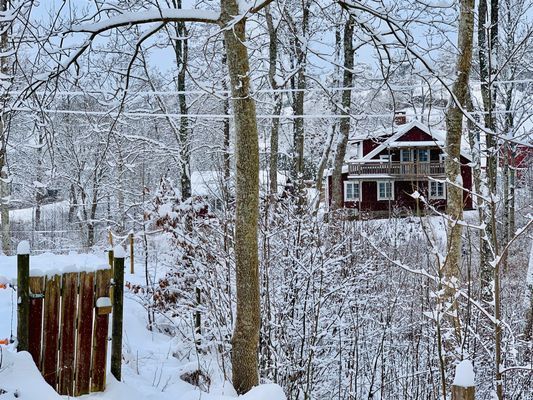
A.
x: 36, y: 319
x: 51, y: 330
x: 69, y: 299
x: 85, y: 324
x: 101, y: 325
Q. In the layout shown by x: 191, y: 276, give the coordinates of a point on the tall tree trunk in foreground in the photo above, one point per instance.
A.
x: 246, y: 334
x: 4, y: 186
x: 344, y: 125
x: 454, y: 125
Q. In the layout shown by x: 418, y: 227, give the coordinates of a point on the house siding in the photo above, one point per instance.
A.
x: 403, y: 188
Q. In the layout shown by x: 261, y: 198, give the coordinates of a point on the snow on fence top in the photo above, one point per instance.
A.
x: 464, y: 374
x: 119, y: 252
x: 23, y: 248
x: 48, y: 264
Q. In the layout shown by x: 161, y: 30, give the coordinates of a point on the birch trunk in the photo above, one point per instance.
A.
x: 344, y: 125
x: 454, y: 125
x: 246, y: 333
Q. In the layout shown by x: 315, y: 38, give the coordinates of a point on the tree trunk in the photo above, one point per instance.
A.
x: 344, y: 125
x: 120, y: 190
x: 274, y: 129
x: 181, y: 50
x: 454, y: 125
x: 528, y: 331
x: 226, y: 155
x: 298, y: 82
x: 4, y: 185
x: 91, y: 234
x: 323, y: 163
x: 332, y: 133
x: 246, y: 334
x: 487, y: 271
x: 39, y: 191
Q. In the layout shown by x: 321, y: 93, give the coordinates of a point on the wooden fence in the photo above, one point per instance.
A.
x: 63, y: 323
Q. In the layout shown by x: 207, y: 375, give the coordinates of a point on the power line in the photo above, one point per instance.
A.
x: 226, y: 116
x: 209, y: 91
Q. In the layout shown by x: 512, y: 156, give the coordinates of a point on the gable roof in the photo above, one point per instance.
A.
x: 439, y: 137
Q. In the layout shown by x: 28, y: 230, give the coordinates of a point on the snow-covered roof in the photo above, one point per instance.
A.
x: 399, y: 131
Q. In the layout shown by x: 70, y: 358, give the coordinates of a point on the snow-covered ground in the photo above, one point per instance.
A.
x: 150, y: 369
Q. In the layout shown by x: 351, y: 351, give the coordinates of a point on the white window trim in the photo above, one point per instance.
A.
x: 391, y: 190
x: 346, y: 183
x: 384, y: 157
x: 428, y: 156
x: 410, y: 156
x: 443, y: 197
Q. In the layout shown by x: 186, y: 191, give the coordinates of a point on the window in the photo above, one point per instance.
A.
x: 437, y: 190
x: 384, y: 157
x: 385, y: 190
x: 351, y: 191
x: 405, y: 155
x: 423, y: 155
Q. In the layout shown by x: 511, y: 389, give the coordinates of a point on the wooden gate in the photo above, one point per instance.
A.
x: 68, y: 329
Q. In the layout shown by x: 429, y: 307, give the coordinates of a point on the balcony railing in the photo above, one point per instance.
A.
x: 397, y: 169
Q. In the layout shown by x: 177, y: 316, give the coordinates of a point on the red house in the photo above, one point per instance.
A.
x: 384, y: 169
x: 519, y: 157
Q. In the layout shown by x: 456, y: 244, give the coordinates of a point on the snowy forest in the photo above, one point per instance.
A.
x: 266, y: 199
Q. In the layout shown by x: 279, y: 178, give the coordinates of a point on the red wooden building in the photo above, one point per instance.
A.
x: 382, y: 170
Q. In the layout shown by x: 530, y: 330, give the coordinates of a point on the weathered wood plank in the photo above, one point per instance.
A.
x: 100, y: 334
x: 23, y: 304
x: 85, y: 326
x: 36, y: 318
x: 463, y: 393
x: 69, y: 297
x: 51, y: 330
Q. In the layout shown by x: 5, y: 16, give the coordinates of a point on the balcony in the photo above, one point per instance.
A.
x: 397, y: 169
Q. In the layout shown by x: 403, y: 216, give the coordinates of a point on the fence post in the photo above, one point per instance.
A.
x: 463, y: 387
x: 23, y: 295
x: 132, y: 254
x: 118, y: 306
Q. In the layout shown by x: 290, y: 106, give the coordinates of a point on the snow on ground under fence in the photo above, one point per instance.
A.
x: 150, y: 370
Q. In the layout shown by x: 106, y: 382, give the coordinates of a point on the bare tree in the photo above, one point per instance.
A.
x: 454, y: 125
x: 4, y: 179
x: 246, y: 334
x: 344, y: 126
